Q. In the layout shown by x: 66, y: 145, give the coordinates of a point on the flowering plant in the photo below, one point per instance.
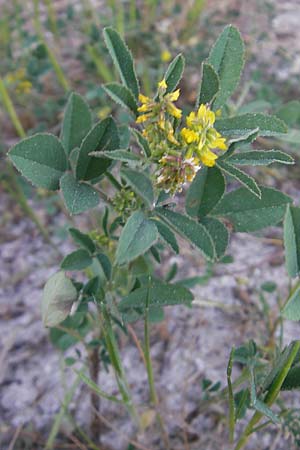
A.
x: 146, y: 167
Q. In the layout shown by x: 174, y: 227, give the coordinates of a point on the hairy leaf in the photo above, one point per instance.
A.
x: 140, y: 183
x: 240, y: 125
x: 205, y: 191
x: 240, y: 176
x: 83, y: 240
x: 142, y: 142
x: 193, y: 231
x: 260, y: 158
x: 291, y: 232
x: 103, y: 136
x: 227, y: 58
x: 121, y: 95
x: 174, y: 73
x: 58, y: 297
x: 41, y: 159
x: 249, y: 213
x: 77, y: 122
x: 291, y: 309
x: 77, y: 260
x: 118, y: 155
x: 210, y: 85
x: 167, y: 235
x: 157, y: 294
x: 122, y: 59
x: 218, y: 233
x: 138, y: 235
x: 78, y: 196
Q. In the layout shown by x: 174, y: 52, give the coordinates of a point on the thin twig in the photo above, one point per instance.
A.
x: 137, y: 343
x: 15, y: 437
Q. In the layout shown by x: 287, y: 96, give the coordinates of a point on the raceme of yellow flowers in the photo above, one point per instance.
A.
x: 178, y: 153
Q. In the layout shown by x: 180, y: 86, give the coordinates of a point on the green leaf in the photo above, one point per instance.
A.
x: 118, y: 155
x: 122, y: 59
x: 291, y: 233
x: 103, y: 136
x: 77, y: 260
x: 95, y: 388
x: 83, y: 240
x: 121, y: 95
x: 205, y: 191
x: 249, y: 213
x: 78, y: 196
x: 124, y: 136
x: 260, y: 158
x: 240, y: 176
x: 41, y: 159
x: 73, y: 157
x: 167, y: 235
x: 77, y: 122
x: 245, y: 123
x: 58, y: 297
x: 238, y: 142
x: 174, y: 73
x: 210, y: 84
x: 138, y: 235
x: 105, y: 264
x: 218, y: 233
x: 291, y: 309
x: 140, y: 184
x: 192, y: 231
x: 142, y: 142
x: 157, y: 294
x: 232, y: 414
x: 279, y: 365
x: 292, y: 380
x: 227, y: 58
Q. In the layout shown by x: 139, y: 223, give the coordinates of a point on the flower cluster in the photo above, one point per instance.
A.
x: 201, y: 137
x: 178, y: 153
x: 125, y: 201
x: 19, y: 81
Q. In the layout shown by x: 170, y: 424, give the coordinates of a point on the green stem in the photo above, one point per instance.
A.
x: 113, y: 181
x: 152, y: 390
x: 62, y: 412
x: 52, y: 17
x: 132, y: 14
x: 102, y: 68
x: 270, y: 397
x: 8, y: 104
x: 114, y: 355
x: 51, y: 55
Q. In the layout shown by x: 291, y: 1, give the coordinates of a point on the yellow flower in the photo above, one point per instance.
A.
x: 143, y: 118
x: 165, y: 56
x: 189, y: 135
x: 24, y: 87
x: 173, y: 96
x: 207, y: 157
x: 174, y: 111
x: 201, y: 136
x: 144, y: 98
x: 162, y: 84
